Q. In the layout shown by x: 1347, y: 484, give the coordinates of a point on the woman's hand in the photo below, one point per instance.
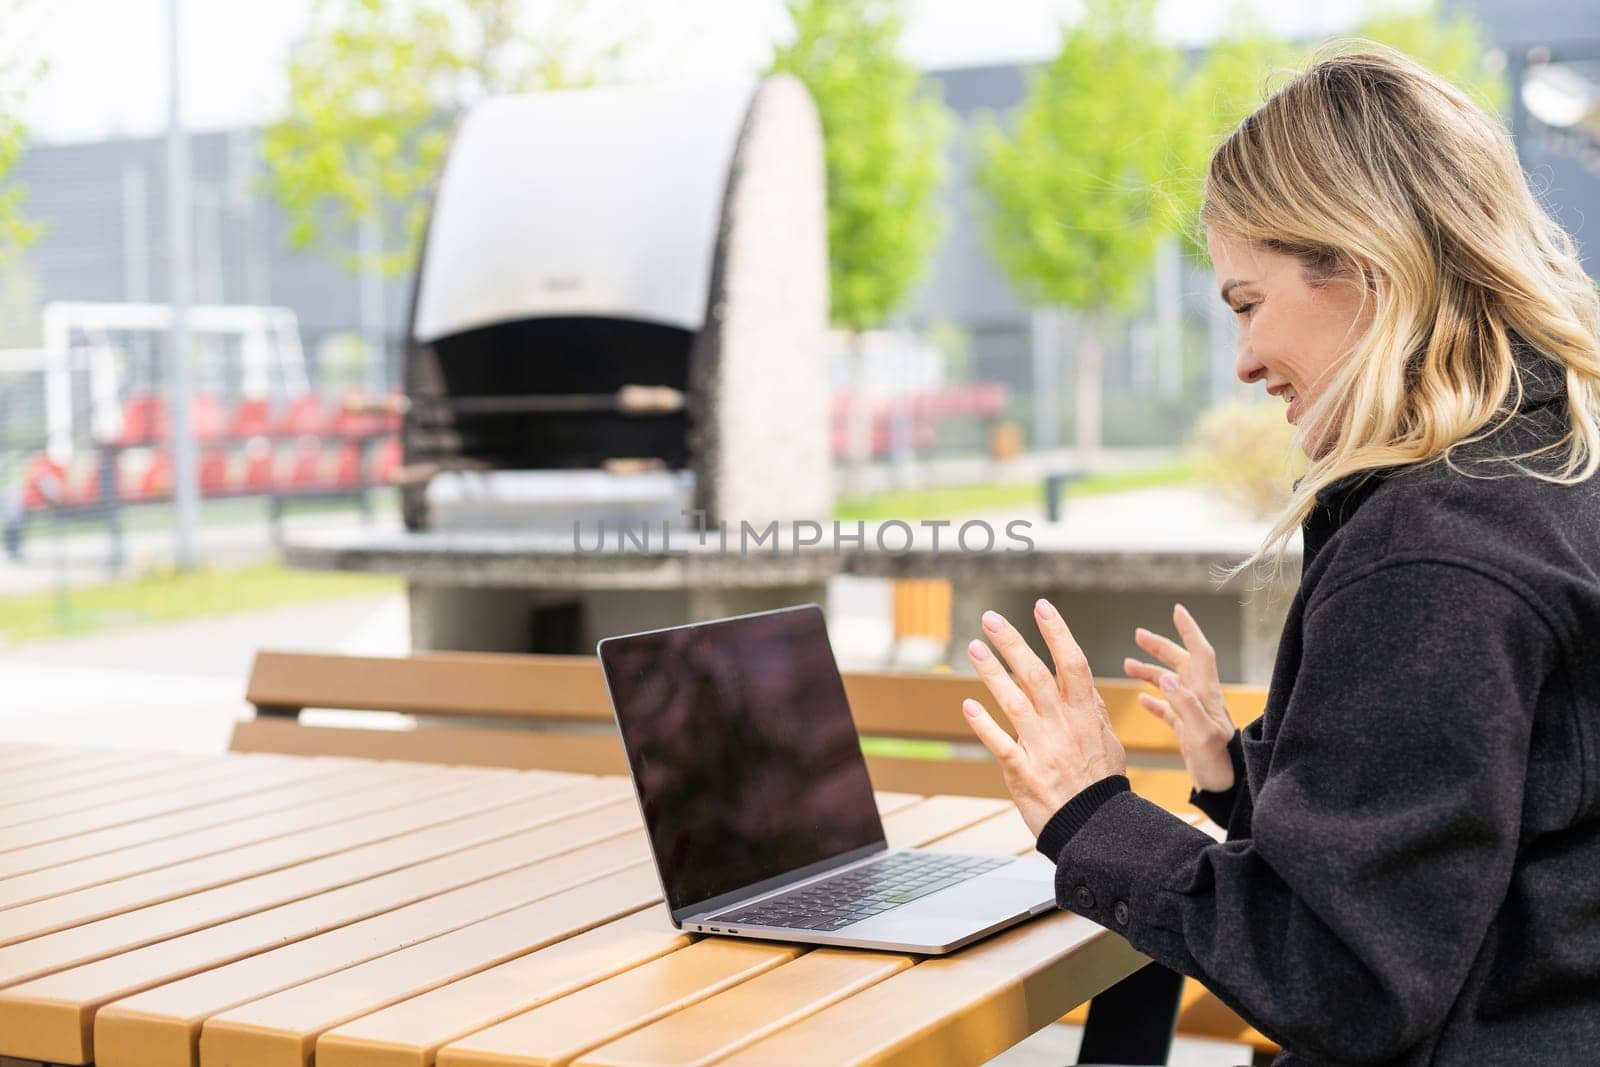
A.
x: 1064, y: 741
x: 1193, y: 706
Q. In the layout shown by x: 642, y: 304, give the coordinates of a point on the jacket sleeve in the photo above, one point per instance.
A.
x: 1218, y: 805
x: 1384, y: 830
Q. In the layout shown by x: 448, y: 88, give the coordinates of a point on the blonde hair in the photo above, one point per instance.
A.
x: 1369, y: 167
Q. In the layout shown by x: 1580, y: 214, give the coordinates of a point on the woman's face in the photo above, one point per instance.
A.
x: 1291, y: 334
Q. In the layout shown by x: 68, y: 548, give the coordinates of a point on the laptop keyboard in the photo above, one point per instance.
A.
x: 865, y: 891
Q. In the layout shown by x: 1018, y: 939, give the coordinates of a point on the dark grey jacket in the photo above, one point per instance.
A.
x: 1411, y: 873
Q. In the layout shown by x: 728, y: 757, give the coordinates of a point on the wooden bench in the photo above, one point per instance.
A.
x: 551, y: 712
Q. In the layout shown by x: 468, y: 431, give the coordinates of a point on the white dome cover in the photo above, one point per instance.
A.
x: 602, y: 202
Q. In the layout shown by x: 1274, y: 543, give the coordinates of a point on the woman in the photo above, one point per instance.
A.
x: 1412, y: 867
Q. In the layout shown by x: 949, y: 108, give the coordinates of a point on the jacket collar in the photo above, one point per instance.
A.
x: 1543, y: 380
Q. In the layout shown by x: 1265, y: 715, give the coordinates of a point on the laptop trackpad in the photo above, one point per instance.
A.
x: 1019, y: 889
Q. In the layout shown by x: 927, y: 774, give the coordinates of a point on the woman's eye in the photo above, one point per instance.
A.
x: 1243, y: 309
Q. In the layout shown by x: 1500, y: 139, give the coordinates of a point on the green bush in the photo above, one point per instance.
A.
x: 1246, y: 452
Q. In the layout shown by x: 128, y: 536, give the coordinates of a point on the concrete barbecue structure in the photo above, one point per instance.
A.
x: 619, y: 320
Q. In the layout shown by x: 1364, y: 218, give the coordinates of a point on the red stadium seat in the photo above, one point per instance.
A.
x: 144, y: 419
x: 305, y: 466
x: 251, y: 418
x: 84, y: 487
x: 259, y: 466
x: 214, y: 470
x: 44, y: 482
x: 348, y: 470
x: 205, y: 416
x: 352, y: 420
x: 304, y: 416
x: 155, y: 482
x: 386, y: 459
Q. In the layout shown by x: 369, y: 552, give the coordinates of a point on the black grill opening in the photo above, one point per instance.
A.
x: 463, y: 377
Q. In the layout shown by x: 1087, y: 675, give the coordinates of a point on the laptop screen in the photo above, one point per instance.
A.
x: 742, y: 747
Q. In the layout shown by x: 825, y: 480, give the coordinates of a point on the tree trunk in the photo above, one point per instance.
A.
x: 1091, y: 356
x: 860, y: 418
x: 1046, y: 323
x: 1169, y: 318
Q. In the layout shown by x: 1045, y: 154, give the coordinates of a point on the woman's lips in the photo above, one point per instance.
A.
x: 1292, y: 412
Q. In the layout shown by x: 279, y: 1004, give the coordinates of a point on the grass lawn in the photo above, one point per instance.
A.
x: 168, y: 597
x: 952, y: 500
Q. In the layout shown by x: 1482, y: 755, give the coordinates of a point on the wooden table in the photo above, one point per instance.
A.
x: 276, y: 910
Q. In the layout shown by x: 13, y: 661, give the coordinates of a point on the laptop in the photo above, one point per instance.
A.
x: 758, y: 806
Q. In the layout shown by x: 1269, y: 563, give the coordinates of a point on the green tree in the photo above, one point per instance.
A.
x: 1237, y: 72
x: 16, y: 77
x: 883, y: 142
x: 1075, y: 187
x: 373, y: 88
x: 1226, y: 83
x: 1452, y: 44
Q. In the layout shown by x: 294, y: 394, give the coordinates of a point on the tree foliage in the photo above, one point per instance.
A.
x: 1228, y: 82
x: 883, y: 141
x: 373, y: 88
x: 1075, y: 188
x: 1451, y: 44
x: 16, y: 77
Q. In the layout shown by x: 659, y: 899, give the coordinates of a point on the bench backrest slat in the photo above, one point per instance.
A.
x: 534, y: 688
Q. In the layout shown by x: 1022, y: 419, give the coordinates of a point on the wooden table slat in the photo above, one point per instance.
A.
x: 395, y: 800
x: 937, y: 816
x: 68, y: 760
x: 415, y: 839
x: 728, y: 1021
x: 241, y: 791
x: 61, y: 790
x: 57, y: 1010
x: 1004, y: 834
x: 888, y: 801
x: 15, y: 759
x: 558, y: 1032
x: 166, y: 778
x: 308, y: 1010
x: 315, y: 808
x: 411, y: 1032
x: 153, y: 1027
x: 963, y: 1008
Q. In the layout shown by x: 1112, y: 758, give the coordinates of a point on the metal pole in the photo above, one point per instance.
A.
x: 185, y: 483
x: 375, y: 378
x: 1045, y: 337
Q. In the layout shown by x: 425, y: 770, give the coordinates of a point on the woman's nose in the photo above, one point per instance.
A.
x: 1247, y: 367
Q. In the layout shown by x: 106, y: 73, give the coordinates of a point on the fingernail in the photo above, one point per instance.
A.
x: 970, y: 707
x: 977, y: 649
x: 1139, y: 631
x: 992, y: 621
x: 1042, y: 606
x: 1169, y: 682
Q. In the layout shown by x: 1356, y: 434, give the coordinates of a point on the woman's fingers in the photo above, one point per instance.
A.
x: 1075, y: 679
x: 1193, y: 639
x: 1161, y: 710
x: 1144, y: 672
x: 1030, y: 672
x: 1164, y: 649
x: 1182, y: 699
x: 1012, y: 700
x: 999, y: 743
